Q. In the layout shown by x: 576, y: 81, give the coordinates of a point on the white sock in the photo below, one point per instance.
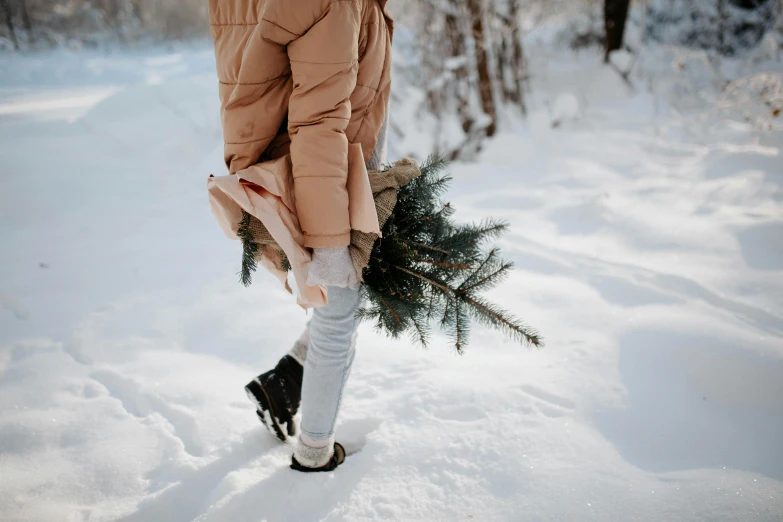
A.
x: 299, y: 350
x: 313, y: 453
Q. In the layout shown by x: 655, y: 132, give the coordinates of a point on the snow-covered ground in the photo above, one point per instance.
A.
x: 649, y: 251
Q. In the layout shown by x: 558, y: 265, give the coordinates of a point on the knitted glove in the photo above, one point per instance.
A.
x: 332, y: 267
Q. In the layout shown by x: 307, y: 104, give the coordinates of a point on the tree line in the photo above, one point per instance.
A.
x: 56, y: 23
x: 471, y: 61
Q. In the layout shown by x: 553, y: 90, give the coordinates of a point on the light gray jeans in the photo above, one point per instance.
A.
x: 326, y: 350
x: 330, y: 353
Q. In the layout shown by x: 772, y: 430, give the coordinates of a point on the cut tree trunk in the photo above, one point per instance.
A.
x: 476, y: 11
x: 615, y: 14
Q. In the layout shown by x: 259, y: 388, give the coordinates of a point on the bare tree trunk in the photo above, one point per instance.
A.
x: 503, y: 64
x: 722, y: 27
x: 429, y: 59
x: 138, y: 11
x: 457, y: 50
x: 475, y: 9
x: 430, y: 48
x: 511, y: 59
x: 9, y: 21
x: 615, y: 13
x: 518, y: 57
x: 112, y: 10
x: 498, y: 34
x: 749, y: 4
x: 28, y: 26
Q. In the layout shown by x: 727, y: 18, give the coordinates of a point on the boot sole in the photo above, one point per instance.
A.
x: 264, y: 410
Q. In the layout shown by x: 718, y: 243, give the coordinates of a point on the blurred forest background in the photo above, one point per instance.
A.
x: 466, y: 58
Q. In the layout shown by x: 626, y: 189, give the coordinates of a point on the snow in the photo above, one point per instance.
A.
x: 648, y: 242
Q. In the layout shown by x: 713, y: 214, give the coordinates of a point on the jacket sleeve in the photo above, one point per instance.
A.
x: 254, y: 82
x: 323, y: 53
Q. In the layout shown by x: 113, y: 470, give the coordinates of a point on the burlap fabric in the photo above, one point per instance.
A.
x: 384, y: 185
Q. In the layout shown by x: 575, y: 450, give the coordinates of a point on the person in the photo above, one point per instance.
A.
x: 308, y: 79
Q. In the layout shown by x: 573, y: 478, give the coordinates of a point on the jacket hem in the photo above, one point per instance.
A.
x: 330, y: 241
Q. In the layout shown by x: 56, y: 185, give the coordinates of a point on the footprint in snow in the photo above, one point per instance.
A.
x: 549, y: 404
x: 548, y: 397
x: 353, y: 433
x: 142, y: 403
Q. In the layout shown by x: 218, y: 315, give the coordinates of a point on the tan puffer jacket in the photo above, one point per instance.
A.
x: 305, y: 77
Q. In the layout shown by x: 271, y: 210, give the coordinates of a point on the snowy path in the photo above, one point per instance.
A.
x: 652, y: 263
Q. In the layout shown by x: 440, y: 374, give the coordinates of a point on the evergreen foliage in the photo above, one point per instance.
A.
x: 428, y: 269
x: 249, y: 250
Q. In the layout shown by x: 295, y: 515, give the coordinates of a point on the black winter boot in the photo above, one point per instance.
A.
x: 276, y: 395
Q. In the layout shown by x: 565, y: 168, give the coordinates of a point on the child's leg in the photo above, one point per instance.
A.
x: 329, y: 358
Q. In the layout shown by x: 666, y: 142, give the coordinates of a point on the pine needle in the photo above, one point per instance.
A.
x: 249, y: 250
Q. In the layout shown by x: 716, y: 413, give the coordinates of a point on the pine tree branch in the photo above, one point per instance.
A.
x: 431, y: 307
x: 490, y: 279
x: 487, y: 259
x: 427, y: 267
x: 490, y: 229
x: 445, y: 265
x: 420, y: 330
x: 443, y: 288
x: 427, y: 247
x: 458, y: 327
x: 445, y: 208
x: 394, y: 313
x: 434, y: 164
x: 529, y: 335
x: 285, y: 264
x: 444, y: 321
x: 249, y: 249
x: 438, y: 182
